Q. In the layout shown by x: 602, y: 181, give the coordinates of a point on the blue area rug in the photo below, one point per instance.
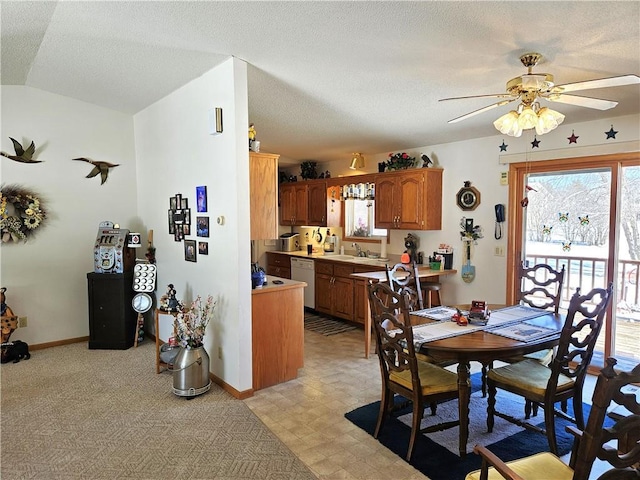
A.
x: 438, y: 462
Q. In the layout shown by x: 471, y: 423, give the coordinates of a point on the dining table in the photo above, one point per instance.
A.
x: 424, y: 274
x: 486, y: 344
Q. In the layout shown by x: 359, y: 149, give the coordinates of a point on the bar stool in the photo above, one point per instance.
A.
x: 431, y: 294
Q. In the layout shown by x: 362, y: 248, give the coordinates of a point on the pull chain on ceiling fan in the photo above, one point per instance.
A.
x: 530, y: 87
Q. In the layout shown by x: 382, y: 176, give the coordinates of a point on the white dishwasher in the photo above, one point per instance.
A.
x: 302, y: 270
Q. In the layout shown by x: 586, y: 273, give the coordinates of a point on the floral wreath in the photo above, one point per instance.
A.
x: 21, y: 213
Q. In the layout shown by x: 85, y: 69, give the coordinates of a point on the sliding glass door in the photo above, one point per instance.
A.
x: 583, y: 214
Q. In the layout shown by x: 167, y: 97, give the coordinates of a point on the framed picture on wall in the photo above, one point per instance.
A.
x: 171, y: 224
x: 184, y: 203
x: 173, y: 204
x: 201, y: 199
x: 190, y: 250
x: 203, y: 248
x: 202, y: 226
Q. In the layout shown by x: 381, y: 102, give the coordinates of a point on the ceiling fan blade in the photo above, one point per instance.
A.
x: 588, y: 102
x: 481, y: 110
x: 600, y: 83
x: 491, y: 95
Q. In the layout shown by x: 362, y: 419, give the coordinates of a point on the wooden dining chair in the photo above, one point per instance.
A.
x: 610, y: 444
x: 564, y: 377
x: 404, y: 278
x: 419, y: 382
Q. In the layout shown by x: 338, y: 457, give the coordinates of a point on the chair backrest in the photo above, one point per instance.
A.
x: 404, y: 278
x: 594, y: 441
x: 578, y: 336
x: 541, y: 286
x: 394, y: 336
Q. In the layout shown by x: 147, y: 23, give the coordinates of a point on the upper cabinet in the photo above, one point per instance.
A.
x: 294, y: 203
x: 303, y: 203
x: 409, y: 199
x: 263, y: 184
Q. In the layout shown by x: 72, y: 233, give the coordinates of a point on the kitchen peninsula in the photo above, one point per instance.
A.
x: 277, y: 316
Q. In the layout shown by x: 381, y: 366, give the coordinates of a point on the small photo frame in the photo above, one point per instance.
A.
x: 178, y: 217
x: 178, y: 201
x: 186, y: 229
x: 202, y: 226
x: 190, y: 251
x: 187, y: 216
x: 184, y: 203
x: 171, y: 224
x: 201, y: 199
x: 203, y: 248
x: 173, y: 203
x: 177, y: 234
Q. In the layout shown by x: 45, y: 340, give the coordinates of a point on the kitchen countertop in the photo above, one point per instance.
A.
x: 346, y: 258
x: 272, y: 287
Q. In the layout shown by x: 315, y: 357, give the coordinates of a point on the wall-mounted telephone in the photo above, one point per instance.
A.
x: 499, y: 219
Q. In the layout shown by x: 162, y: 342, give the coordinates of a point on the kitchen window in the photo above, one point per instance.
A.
x: 359, y: 219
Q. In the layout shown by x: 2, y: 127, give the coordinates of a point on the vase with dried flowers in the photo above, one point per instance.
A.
x: 192, y: 323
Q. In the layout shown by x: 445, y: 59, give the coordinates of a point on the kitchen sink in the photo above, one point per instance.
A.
x: 354, y: 259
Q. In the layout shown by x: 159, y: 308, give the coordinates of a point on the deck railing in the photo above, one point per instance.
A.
x: 590, y: 272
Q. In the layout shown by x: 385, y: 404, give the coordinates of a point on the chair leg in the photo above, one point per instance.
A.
x: 418, y: 409
x: 485, y: 368
x: 434, y: 408
x: 491, y: 405
x: 387, y: 397
x: 527, y: 408
x: 563, y: 406
x: 437, y: 293
x: 550, y: 426
x: 535, y: 409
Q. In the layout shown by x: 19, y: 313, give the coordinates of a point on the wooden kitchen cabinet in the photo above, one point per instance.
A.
x: 317, y: 203
x: 278, y: 265
x: 263, y: 184
x: 409, y: 199
x: 334, y: 289
x: 294, y: 203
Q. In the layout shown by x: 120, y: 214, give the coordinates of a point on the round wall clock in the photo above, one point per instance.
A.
x: 468, y: 197
x: 141, y: 302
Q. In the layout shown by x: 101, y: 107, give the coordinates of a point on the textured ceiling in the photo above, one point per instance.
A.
x: 326, y: 78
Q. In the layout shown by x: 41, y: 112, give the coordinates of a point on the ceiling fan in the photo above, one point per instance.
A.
x: 530, y: 87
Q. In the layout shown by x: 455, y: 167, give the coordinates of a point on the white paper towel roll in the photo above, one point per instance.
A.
x: 383, y: 248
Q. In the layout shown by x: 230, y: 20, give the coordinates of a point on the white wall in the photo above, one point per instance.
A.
x: 480, y: 161
x: 46, y: 277
x: 175, y: 153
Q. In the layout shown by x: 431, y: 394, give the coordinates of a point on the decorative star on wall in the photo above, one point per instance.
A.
x: 503, y: 147
x: 611, y: 133
x: 535, y: 143
x: 573, y: 138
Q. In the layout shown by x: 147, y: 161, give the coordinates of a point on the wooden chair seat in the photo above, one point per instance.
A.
x: 433, y: 379
x: 529, y: 376
x: 530, y: 467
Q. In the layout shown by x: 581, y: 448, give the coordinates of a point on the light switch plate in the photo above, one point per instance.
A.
x: 504, y: 178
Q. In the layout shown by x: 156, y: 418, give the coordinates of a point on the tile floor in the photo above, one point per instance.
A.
x: 308, y: 413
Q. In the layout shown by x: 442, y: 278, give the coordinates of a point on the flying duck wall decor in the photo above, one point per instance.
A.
x: 98, y: 167
x: 22, y: 155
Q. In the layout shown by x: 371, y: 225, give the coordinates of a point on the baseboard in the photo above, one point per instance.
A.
x: 58, y: 343
x: 228, y: 388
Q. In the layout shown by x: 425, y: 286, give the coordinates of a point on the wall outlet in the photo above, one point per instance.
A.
x: 220, y: 353
x: 498, y: 252
x: 22, y: 322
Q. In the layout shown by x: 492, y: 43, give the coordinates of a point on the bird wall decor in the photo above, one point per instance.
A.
x: 98, y: 167
x: 22, y: 155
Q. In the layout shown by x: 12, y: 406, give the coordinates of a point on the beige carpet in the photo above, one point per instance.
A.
x: 71, y: 413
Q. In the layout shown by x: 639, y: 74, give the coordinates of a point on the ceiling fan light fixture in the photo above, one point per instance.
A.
x: 357, y: 161
x: 508, y: 124
x: 548, y: 120
x: 528, y: 118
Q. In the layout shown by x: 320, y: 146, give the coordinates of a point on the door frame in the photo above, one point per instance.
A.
x: 517, y: 171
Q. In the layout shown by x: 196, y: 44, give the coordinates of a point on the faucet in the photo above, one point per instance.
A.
x: 359, y: 252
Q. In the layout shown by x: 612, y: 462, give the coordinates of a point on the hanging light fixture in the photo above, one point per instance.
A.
x: 528, y: 115
x: 357, y: 161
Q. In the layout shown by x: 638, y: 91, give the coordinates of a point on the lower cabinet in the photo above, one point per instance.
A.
x: 278, y: 265
x: 334, y: 289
